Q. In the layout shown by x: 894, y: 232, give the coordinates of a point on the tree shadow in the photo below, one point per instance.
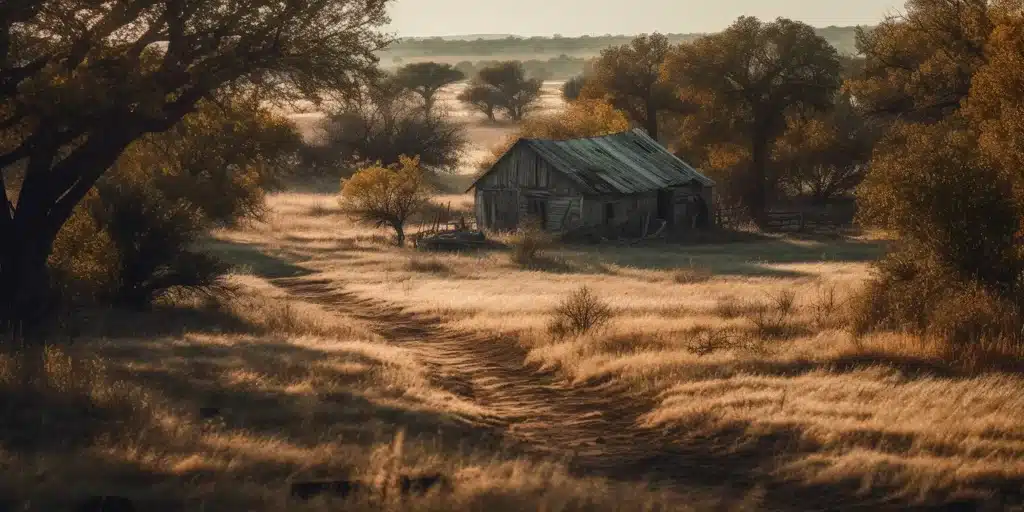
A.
x: 243, y: 391
x: 255, y: 259
x: 740, y: 259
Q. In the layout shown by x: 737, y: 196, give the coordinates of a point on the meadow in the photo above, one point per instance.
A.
x: 726, y: 378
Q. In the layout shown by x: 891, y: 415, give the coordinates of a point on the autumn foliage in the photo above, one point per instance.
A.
x: 387, y: 195
x: 946, y: 179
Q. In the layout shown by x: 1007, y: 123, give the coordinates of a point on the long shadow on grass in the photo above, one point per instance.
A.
x: 249, y: 383
x: 705, y: 450
x: 249, y: 397
x: 737, y: 259
x: 256, y: 260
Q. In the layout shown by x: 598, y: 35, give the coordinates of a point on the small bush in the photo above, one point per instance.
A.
x: 528, y: 244
x: 772, y: 319
x: 692, y: 275
x: 427, y: 266
x: 974, y: 328
x: 709, y: 341
x: 730, y: 307
x: 581, y: 312
x: 827, y: 309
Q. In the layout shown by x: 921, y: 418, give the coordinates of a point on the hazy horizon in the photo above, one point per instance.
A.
x: 571, y: 18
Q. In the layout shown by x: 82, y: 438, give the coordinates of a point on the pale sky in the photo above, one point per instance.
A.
x: 595, y: 17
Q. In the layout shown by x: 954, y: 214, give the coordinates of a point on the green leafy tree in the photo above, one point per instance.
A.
x: 748, y: 79
x: 919, y: 66
x: 481, y: 97
x: 426, y: 78
x: 518, y: 93
x: 81, y: 81
x: 214, y: 168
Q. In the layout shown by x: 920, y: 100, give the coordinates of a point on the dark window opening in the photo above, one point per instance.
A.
x: 609, y: 213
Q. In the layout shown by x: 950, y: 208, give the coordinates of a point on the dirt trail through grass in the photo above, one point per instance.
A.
x: 593, y: 426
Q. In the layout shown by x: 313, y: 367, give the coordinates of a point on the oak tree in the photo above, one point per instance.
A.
x: 629, y: 78
x: 750, y: 77
x: 80, y: 81
x: 382, y: 123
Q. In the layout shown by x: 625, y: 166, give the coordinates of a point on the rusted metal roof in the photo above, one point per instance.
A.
x: 628, y: 162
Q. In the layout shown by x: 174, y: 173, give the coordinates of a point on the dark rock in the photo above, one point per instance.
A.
x: 105, y: 504
x: 422, y: 484
x: 340, y: 488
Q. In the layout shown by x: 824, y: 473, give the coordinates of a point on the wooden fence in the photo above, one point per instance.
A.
x: 793, y: 221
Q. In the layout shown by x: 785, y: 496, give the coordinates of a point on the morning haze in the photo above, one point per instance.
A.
x: 418, y: 18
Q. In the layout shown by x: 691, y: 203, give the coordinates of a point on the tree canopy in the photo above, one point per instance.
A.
x: 506, y: 87
x: 426, y: 78
x: 387, y: 195
x: 80, y: 81
x: 385, y: 122
x: 748, y: 79
x: 629, y: 78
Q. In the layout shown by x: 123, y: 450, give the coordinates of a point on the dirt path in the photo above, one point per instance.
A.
x: 595, y: 427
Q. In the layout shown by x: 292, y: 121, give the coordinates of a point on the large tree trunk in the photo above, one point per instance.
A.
x: 26, y: 297
x: 651, y: 121
x: 755, y: 190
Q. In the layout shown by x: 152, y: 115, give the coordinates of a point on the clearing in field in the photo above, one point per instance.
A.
x: 722, y: 366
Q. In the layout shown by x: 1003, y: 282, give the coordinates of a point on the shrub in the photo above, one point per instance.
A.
x: 919, y: 297
x: 730, y: 307
x: 427, y: 265
x: 709, y: 341
x: 580, y: 312
x: 772, y: 319
x: 131, y: 241
x: 386, y: 123
x: 528, y: 244
x: 691, y: 274
x: 826, y: 310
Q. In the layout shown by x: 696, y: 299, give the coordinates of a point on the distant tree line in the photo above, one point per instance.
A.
x: 842, y: 38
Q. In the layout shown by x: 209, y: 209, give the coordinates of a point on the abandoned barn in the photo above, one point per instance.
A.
x: 623, y: 182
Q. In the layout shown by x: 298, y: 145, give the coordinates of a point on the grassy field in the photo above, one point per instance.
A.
x: 726, y: 379
x: 741, y: 346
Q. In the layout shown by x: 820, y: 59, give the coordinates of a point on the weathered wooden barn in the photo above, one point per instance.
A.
x: 622, y: 182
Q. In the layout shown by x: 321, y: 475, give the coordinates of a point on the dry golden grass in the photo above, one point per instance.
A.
x: 739, y: 342
x: 263, y: 391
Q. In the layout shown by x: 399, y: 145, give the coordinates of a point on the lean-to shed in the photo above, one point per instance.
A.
x: 613, y: 181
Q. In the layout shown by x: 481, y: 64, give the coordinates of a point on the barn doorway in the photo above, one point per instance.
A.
x: 538, y: 210
x: 665, y: 206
